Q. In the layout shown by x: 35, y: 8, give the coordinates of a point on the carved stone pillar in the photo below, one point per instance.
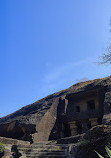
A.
x: 73, y: 128
x: 93, y: 121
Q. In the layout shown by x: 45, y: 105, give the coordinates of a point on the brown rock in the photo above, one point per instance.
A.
x: 47, y: 123
x: 42, y: 115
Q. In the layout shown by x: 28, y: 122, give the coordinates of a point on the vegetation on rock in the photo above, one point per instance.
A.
x: 2, y: 148
x: 108, y: 152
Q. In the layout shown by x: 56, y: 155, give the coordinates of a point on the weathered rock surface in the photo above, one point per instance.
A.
x: 8, y: 142
x: 94, y: 140
x: 36, y: 122
x: 47, y: 123
x: 82, y: 146
x: 32, y: 113
x: 22, y: 123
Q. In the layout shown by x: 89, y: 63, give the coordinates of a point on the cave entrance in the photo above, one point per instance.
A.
x: 91, y: 105
x: 79, y: 128
x: 83, y: 127
x: 67, y: 131
x: 89, y: 125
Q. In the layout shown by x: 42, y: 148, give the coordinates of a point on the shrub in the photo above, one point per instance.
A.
x: 82, y: 142
x: 108, y: 152
x: 2, y: 148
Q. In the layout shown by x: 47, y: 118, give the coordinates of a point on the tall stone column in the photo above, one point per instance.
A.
x: 93, y: 121
x: 73, y: 128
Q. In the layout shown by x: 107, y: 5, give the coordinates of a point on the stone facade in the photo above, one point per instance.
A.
x: 84, y: 111
x: 73, y: 114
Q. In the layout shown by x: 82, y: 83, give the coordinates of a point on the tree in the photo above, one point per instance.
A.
x: 106, y: 57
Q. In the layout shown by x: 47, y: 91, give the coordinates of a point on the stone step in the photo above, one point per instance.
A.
x: 41, y: 150
x: 44, y: 147
x: 44, y: 153
x: 46, y: 142
x: 45, y: 156
x: 57, y: 145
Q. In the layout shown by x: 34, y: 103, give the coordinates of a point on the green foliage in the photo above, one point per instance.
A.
x: 99, y: 155
x: 82, y: 142
x: 108, y: 152
x: 2, y: 148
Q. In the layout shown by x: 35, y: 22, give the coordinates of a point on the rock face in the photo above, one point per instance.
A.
x: 8, y: 142
x: 79, y: 117
x: 66, y: 113
x: 47, y: 123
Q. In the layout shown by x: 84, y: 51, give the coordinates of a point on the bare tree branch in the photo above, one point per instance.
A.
x: 106, y: 57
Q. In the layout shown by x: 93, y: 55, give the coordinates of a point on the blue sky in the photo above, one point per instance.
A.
x: 49, y: 45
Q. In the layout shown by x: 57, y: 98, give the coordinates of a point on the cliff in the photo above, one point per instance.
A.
x: 22, y: 123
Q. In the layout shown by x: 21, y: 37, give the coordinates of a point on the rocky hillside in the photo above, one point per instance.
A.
x: 22, y: 123
x: 32, y: 113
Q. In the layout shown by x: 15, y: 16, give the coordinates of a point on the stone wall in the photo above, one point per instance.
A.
x: 82, y: 103
x: 13, y: 141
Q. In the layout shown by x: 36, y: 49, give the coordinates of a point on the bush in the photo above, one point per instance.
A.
x: 108, y: 152
x: 2, y: 148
